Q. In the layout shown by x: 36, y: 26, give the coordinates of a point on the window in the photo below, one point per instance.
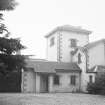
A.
x: 90, y: 78
x: 79, y: 58
x: 73, y: 42
x: 52, y: 41
x: 56, y: 80
x: 73, y: 80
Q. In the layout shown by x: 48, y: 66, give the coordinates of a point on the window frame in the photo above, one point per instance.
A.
x: 73, y: 80
x: 52, y: 41
x: 73, y: 43
x: 90, y: 79
x: 56, y: 80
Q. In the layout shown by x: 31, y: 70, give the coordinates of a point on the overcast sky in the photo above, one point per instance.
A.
x: 33, y: 19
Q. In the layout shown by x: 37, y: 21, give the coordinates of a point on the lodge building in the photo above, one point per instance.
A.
x: 72, y: 62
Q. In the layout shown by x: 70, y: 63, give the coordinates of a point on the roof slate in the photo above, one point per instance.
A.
x: 97, y: 68
x: 51, y: 67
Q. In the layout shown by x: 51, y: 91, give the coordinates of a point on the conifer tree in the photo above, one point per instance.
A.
x: 9, y: 59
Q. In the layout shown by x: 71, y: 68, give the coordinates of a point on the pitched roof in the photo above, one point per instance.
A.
x: 93, y: 44
x: 97, y: 68
x: 88, y: 46
x: 52, y: 67
x: 69, y: 28
x: 92, y: 70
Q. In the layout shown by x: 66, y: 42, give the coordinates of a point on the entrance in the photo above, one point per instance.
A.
x: 44, y: 83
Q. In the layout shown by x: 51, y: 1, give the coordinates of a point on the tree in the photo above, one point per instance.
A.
x: 7, y: 4
x: 9, y: 59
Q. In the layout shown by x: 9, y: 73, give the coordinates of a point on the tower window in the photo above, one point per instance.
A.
x: 73, y: 42
x: 52, y: 41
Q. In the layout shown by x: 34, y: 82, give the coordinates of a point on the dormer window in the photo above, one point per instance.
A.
x: 73, y: 43
x: 52, y: 41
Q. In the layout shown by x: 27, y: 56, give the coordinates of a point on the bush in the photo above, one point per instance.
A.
x: 98, y: 87
x: 10, y: 82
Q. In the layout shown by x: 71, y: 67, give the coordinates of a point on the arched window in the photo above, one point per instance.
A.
x: 79, y: 58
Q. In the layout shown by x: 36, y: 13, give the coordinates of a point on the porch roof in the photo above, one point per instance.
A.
x: 52, y: 67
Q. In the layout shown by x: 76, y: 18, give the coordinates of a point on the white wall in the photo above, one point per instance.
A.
x: 65, y: 85
x: 52, y: 50
x: 65, y: 43
x: 97, y: 55
x: 29, y: 81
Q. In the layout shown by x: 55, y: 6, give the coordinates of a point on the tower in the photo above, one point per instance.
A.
x: 64, y: 39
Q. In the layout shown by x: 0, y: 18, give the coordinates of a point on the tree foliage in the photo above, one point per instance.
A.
x: 9, y: 59
x: 7, y: 4
x: 98, y: 87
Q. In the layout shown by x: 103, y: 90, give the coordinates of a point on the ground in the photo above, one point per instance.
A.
x: 51, y: 99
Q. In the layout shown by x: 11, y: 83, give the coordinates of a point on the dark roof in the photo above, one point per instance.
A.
x: 93, y: 44
x: 100, y: 68
x: 69, y: 28
x: 97, y: 68
x: 92, y: 70
x: 52, y: 67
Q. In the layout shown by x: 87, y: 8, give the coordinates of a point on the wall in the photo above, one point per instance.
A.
x: 97, y: 55
x: 82, y: 40
x: 52, y: 50
x: 65, y: 85
x: 29, y: 81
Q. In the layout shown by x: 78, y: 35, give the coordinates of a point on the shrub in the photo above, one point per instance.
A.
x: 98, y: 87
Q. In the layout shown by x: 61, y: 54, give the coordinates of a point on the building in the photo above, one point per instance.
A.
x: 72, y: 62
x: 51, y: 77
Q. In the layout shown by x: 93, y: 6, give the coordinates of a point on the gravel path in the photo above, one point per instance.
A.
x: 51, y: 99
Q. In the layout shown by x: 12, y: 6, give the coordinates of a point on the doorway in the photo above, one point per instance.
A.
x: 44, y: 83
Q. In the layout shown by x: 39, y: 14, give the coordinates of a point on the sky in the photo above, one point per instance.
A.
x: 33, y: 19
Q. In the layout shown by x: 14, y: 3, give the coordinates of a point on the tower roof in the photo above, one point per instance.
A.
x: 70, y: 28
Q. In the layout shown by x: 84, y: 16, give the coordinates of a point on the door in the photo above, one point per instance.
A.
x: 44, y: 83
